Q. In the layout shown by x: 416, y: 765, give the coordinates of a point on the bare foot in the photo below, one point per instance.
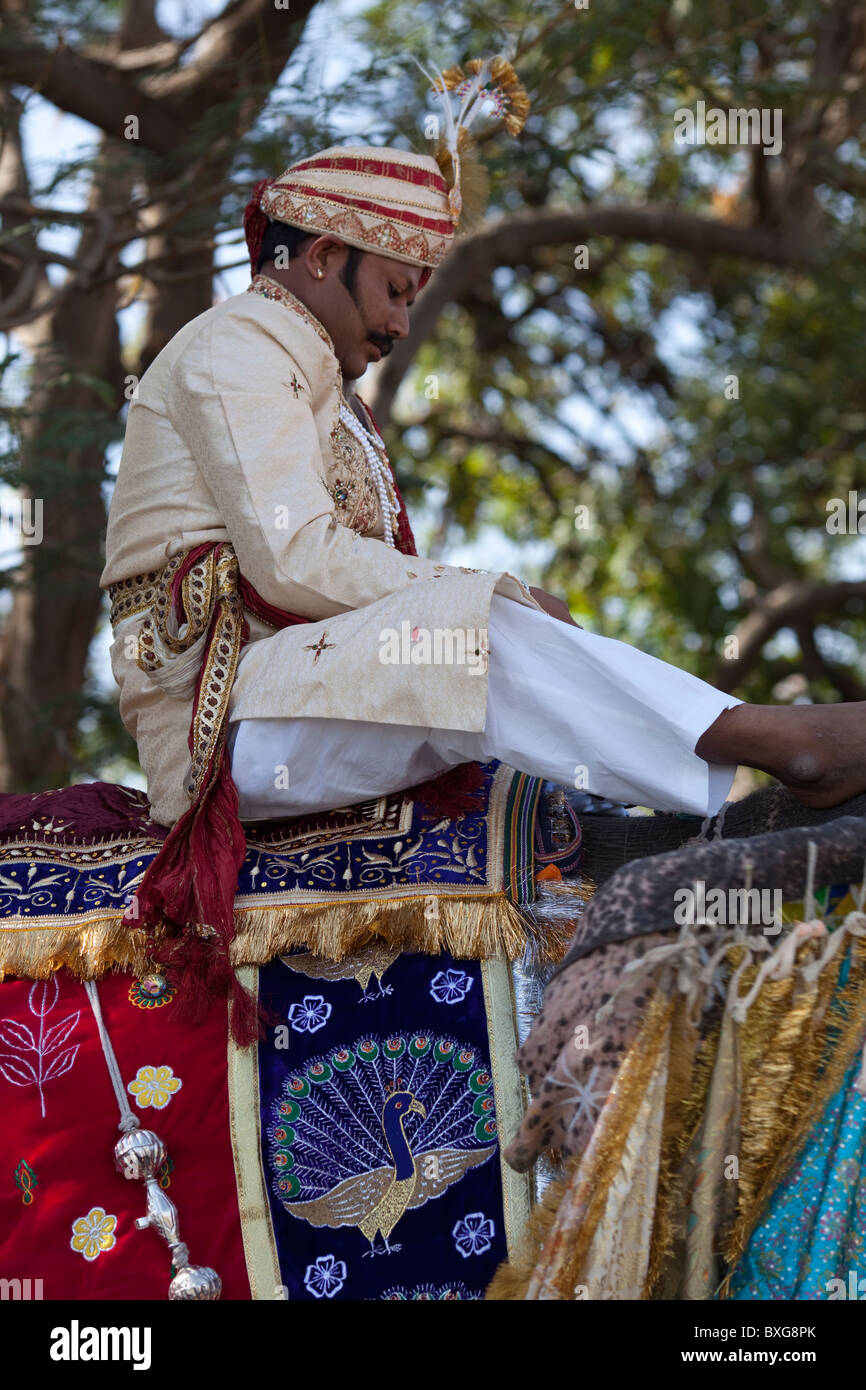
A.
x: 817, y: 751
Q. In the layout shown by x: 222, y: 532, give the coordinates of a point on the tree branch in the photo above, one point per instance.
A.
x: 92, y: 89
x: 249, y: 43
x: 790, y: 604
x: 514, y: 241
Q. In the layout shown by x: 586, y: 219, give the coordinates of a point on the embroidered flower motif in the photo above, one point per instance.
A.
x: 93, y: 1233
x: 311, y: 1015
x: 326, y: 1277
x: 164, y: 1172
x: 319, y: 647
x: 151, y: 992
x: 26, y: 1180
x: 34, y: 1055
x: 450, y: 986
x: 474, y: 1234
x: 154, y: 1086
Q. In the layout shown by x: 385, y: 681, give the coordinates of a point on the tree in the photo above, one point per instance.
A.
x: 681, y: 494
x: 143, y: 90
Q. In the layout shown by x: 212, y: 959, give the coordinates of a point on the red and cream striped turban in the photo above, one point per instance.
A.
x: 389, y: 201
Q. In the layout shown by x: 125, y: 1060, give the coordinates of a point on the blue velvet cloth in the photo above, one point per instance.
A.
x: 378, y: 1129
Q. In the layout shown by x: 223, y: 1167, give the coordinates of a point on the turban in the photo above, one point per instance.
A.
x: 389, y: 201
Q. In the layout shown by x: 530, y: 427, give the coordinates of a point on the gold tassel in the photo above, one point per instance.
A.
x: 484, y: 79
x: 471, y: 180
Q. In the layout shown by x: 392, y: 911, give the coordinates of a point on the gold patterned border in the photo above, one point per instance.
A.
x: 260, y: 1246
x: 362, y: 227
x: 272, y: 289
x: 510, y: 1095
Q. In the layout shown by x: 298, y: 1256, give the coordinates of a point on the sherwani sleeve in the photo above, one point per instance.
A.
x: 246, y: 408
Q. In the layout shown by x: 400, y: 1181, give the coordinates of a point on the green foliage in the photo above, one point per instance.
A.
x: 699, y: 504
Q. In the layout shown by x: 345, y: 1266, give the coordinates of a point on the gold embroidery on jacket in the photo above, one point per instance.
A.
x: 348, y: 480
x: 271, y: 289
x: 350, y: 484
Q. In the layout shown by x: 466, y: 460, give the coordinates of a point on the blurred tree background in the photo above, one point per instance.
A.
x: 641, y: 370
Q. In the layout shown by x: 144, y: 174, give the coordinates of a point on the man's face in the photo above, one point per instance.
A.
x: 363, y: 319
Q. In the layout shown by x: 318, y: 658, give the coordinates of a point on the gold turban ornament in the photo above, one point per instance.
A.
x: 483, y: 80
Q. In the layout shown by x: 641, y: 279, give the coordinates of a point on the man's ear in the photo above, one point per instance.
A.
x: 326, y: 253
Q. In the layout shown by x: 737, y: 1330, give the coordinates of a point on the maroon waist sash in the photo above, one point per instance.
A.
x: 186, y: 898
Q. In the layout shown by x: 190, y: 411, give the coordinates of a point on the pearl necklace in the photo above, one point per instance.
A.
x: 375, y: 455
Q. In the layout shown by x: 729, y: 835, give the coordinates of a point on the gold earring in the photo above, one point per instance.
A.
x: 320, y: 273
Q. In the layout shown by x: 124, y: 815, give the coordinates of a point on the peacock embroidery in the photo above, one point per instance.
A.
x: 368, y: 1132
x: 373, y: 959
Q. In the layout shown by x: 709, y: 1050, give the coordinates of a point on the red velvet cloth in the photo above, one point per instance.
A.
x: 94, y: 809
x: 70, y: 1147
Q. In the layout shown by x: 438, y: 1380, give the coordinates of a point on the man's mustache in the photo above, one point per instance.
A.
x: 383, y: 343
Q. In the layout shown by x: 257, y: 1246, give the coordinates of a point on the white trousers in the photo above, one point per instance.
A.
x: 564, y: 704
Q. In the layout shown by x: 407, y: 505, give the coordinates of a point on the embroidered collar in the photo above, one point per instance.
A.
x: 271, y: 289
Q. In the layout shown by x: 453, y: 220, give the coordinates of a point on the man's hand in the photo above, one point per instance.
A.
x: 552, y: 605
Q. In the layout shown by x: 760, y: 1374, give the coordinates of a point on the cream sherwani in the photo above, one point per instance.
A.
x: 234, y: 434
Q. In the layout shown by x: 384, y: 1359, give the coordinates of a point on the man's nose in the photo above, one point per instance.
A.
x: 398, y: 322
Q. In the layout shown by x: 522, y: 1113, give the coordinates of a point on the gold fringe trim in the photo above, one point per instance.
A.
x: 771, y: 1099
x: 87, y: 950
x: 476, y: 928
x: 822, y: 1059
x: 602, y: 1159
x: 479, y: 927
x: 558, y: 1265
x: 511, y: 1281
x: 795, y: 1047
x: 682, y: 1113
x: 550, y: 890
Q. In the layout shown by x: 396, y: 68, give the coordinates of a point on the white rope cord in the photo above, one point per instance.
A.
x: 703, y: 833
x: 687, y: 943
x: 852, y: 925
x: 809, y: 896
x: 778, y: 966
x: 715, y: 823
x: 718, y: 832
x: 128, y: 1120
